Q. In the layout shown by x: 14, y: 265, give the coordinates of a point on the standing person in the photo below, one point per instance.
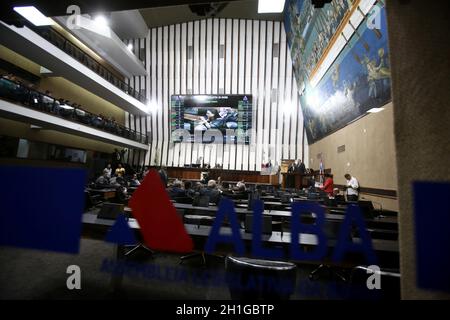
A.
x: 115, y: 157
x: 352, y: 188
x: 164, y: 177
x: 292, y: 167
x: 328, y: 184
x: 120, y: 171
x: 300, y: 167
x: 108, y: 170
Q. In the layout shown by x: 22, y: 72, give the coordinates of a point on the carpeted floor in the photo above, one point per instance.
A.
x: 33, y: 274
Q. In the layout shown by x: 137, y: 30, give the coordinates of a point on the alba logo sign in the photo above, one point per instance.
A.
x: 163, y: 230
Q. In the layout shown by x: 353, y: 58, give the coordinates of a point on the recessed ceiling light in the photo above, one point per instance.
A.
x: 375, y: 110
x: 33, y: 15
x: 270, y: 6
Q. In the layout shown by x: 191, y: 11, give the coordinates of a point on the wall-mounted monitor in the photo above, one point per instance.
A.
x: 206, y: 118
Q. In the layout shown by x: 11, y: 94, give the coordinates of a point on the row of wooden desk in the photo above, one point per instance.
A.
x: 280, y: 238
x: 225, y: 175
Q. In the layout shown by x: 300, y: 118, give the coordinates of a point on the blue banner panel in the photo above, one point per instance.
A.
x: 42, y: 208
x: 432, y: 220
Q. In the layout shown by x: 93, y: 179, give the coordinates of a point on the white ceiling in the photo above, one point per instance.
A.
x: 110, y: 48
x: 243, y: 9
x: 128, y: 24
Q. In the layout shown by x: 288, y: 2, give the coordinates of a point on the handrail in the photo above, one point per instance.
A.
x: 15, y: 91
x: 68, y: 47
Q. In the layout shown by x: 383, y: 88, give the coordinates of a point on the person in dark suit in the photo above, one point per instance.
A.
x: 212, y: 191
x: 297, y: 167
x: 177, y: 191
x: 188, y: 189
x: 164, y: 177
x: 301, y: 167
x: 291, y: 168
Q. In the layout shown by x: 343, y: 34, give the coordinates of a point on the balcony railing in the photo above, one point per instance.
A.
x: 16, y: 92
x: 68, y: 47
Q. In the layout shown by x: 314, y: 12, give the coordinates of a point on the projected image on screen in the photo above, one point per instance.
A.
x: 229, y: 114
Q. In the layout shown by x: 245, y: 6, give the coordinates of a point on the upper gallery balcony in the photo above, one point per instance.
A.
x: 51, y: 50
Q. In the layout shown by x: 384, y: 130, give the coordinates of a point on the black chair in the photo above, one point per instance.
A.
x: 286, y: 198
x: 260, y: 279
x: 331, y: 230
x: 91, y: 200
x: 313, y: 196
x: 198, y: 220
x: 200, y: 200
x: 367, y: 208
x: 185, y: 200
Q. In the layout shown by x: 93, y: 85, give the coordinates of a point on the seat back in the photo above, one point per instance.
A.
x: 260, y: 279
x: 200, y: 200
x: 366, y: 208
x: 286, y: 198
x: 266, y: 227
x: 110, y: 210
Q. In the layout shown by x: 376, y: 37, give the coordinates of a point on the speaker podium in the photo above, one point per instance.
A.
x: 292, y: 180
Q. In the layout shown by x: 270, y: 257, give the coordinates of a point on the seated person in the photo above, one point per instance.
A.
x: 97, y: 121
x: 117, y: 181
x: 66, y: 110
x: 240, y: 187
x: 122, y: 195
x: 188, y: 189
x: 103, y: 180
x: 134, y: 182
x: 176, y: 190
x: 212, y: 191
x: 35, y: 99
x: 47, y: 102
x: 225, y: 188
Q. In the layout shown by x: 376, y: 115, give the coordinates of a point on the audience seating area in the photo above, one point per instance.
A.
x: 18, y: 92
x: 68, y: 47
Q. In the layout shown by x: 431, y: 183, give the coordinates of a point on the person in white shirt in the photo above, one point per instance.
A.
x: 352, y: 188
x: 108, y: 170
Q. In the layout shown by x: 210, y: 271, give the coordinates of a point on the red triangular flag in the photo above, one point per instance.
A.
x: 161, y: 227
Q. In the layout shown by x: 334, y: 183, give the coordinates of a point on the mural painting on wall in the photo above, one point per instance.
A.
x: 358, y: 79
x: 309, y: 31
